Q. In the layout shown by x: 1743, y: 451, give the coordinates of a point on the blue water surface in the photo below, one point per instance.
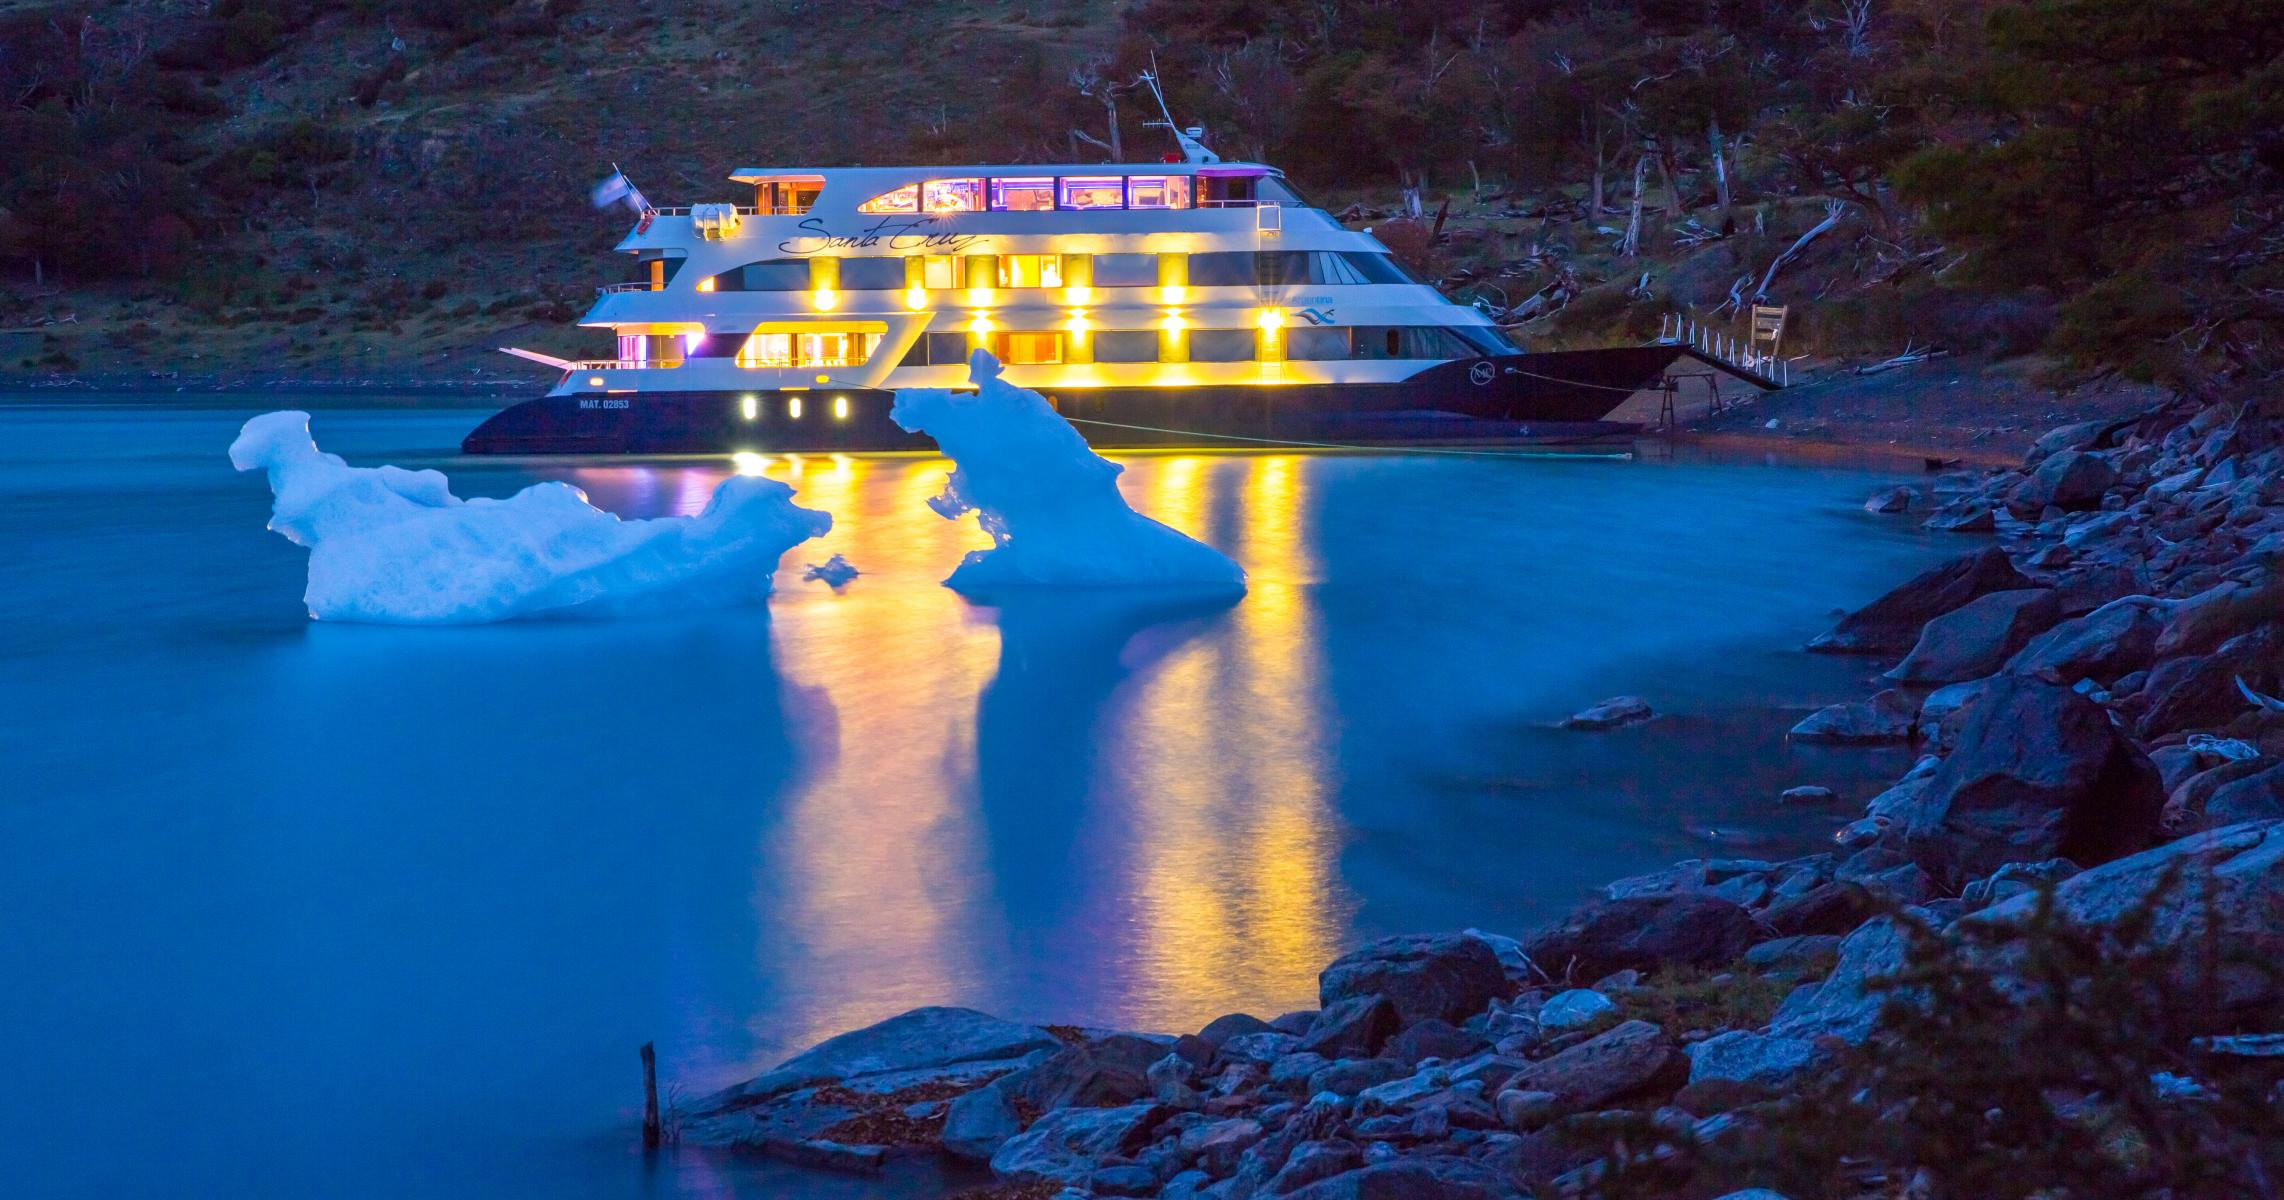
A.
x: 294, y: 909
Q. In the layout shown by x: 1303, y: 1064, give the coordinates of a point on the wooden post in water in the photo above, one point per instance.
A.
x: 650, y: 1134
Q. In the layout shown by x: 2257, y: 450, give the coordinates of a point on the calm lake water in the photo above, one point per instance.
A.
x: 295, y: 910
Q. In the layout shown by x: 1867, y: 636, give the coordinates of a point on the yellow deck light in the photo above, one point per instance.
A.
x: 915, y: 298
x: 1078, y: 293
x: 1174, y: 323
x: 979, y: 297
x: 706, y: 284
x: 1176, y: 293
x: 1271, y: 320
x: 793, y: 408
x: 827, y: 299
x: 749, y: 463
x: 594, y: 381
x: 981, y: 325
x: 749, y: 407
x: 840, y: 408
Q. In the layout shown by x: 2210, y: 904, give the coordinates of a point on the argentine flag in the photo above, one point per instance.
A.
x: 616, y: 189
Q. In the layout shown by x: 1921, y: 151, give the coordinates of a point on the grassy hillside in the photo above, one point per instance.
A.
x: 309, y: 188
x: 363, y: 193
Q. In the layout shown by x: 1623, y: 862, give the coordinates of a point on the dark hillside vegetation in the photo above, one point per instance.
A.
x: 2095, y: 180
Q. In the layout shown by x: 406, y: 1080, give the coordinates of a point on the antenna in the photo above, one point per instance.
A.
x: 1190, y: 139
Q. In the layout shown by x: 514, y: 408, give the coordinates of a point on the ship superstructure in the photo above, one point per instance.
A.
x: 1151, y: 302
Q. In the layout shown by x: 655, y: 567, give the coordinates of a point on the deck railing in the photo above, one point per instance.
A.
x: 1724, y: 347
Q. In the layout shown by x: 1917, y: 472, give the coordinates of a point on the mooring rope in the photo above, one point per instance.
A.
x: 1301, y: 445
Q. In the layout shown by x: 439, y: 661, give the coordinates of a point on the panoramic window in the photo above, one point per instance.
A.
x: 1125, y: 270
x: 1221, y: 345
x: 1409, y: 341
x: 1021, y: 349
x: 1158, y: 191
x: 825, y: 349
x: 872, y: 274
x: 903, y: 200
x: 1023, y: 195
x: 1379, y: 268
x: 1313, y: 343
x: 952, y: 195
x: 1225, y: 268
x: 943, y: 271
x: 1125, y: 345
x: 772, y: 275
x: 1094, y: 191
x: 1030, y: 270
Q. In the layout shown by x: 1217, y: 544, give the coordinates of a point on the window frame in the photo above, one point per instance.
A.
x: 1064, y: 184
x: 1099, y: 338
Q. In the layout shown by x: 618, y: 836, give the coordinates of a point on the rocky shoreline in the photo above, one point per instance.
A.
x: 2044, y: 963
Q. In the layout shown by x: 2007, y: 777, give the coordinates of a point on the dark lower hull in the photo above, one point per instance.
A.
x: 1552, y: 397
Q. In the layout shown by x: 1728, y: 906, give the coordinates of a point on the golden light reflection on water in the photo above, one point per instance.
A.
x: 1194, y: 870
x: 1238, y: 885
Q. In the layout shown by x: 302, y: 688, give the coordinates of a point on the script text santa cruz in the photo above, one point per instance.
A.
x: 890, y: 233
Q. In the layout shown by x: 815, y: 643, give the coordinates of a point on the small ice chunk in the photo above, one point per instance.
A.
x: 1049, y: 502
x: 395, y: 546
x: 835, y: 572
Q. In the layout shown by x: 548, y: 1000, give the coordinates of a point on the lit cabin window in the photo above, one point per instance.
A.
x: 903, y: 200
x: 951, y: 195
x: 943, y: 272
x: 1158, y: 191
x: 1018, y: 349
x: 1023, y: 195
x: 1030, y: 270
x: 828, y: 349
x: 1094, y: 191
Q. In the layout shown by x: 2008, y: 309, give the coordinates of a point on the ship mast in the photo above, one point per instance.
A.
x: 1191, y: 140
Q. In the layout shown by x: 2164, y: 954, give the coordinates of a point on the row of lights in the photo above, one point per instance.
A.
x: 749, y: 407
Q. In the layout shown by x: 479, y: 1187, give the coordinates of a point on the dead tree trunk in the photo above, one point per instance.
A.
x: 1601, y: 166
x: 1720, y: 164
x: 1632, y: 244
x: 1832, y: 213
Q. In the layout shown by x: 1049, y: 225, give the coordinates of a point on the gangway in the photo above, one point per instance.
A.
x: 1723, y: 350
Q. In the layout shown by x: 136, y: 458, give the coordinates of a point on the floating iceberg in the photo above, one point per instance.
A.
x: 396, y: 546
x: 1049, y: 502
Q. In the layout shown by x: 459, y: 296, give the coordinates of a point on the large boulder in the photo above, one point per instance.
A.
x: 977, y: 1124
x: 1411, y: 1179
x: 2108, y: 643
x: 2196, y: 691
x: 1847, y: 1004
x: 1619, y: 1062
x: 921, y: 1038
x: 2214, y: 903
x: 1098, y: 1072
x: 1643, y: 933
x: 2039, y: 773
x: 1745, y: 1057
x: 2071, y: 480
x: 1356, y: 1027
x: 1066, y: 1145
x: 1977, y: 638
x: 2256, y: 797
x: 1891, y: 624
x: 1444, y: 975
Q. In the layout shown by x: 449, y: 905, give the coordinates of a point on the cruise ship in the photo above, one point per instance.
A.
x: 1197, y: 302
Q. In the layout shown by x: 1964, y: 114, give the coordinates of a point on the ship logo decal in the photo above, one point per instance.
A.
x: 1316, y: 316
